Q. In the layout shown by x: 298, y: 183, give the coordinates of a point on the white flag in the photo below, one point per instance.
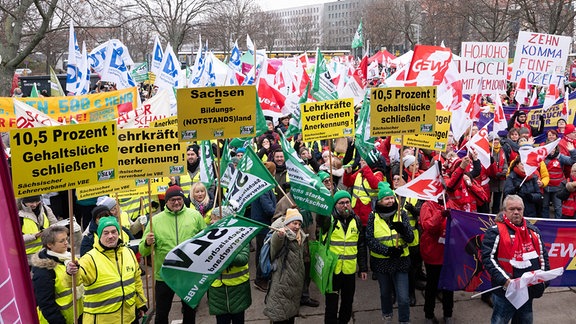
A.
x: 168, y: 75
x: 427, y: 186
x: 517, y: 291
x: 157, y: 56
x: 532, y: 156
x: 480, y: 144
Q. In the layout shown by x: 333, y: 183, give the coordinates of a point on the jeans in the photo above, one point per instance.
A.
x: 344, y: 287
x: 432, y: 278
x: 400, y: 282
x: 164, y: 296
x: 504, y: 311
x: 556, y: 202
x: 259, y: 243
x: 237, y: 318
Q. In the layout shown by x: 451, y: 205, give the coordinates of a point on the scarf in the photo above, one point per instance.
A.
x: 522, y: 247
x: 61, y: 256
x: 199, y: 206
x: 519, y: 172
x: 194, y: 166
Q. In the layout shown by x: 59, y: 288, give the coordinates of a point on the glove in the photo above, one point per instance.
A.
x: 536, y: 291
x: 410, y: 208
x: 399, y: 227
x: 143, y: 308
x: 142, y: 220
x: 394, y: 252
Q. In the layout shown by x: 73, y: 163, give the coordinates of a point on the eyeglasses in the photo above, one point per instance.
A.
x: 175, y: 199
x: 344, y: 202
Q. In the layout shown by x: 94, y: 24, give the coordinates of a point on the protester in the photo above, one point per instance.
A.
x: 229, y: 295
x: 510, y: 144
x: 123, y: 218
x: 52, y: 287
x: 34, y: 217
x: 91, y: 239
x: 201, y: 200
x: 281, y: 175
x: 500, y: 165
x: 433, y: 221
x: 387, y: 237
x: 567, y: 195
x: 519, y: 120
x: 555, y: 162
x: 509, y: 249
x: 111, y: 276
x: 286, y: 249
x: 175, y: 224
x: 348, y: 241
x: 518, y: 183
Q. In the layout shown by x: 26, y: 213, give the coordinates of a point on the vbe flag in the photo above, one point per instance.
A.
x: 307, y: 189
x: 250, y: 180
x: 207, y: 175
x: 323, y: 88
x: 191, y: 267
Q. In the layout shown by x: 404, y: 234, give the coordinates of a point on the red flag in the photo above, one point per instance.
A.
x: 566, y: 105
x: 532, y: 156
x: 479, y: 143
x: 534, y: 99
x: 475, y: 104
x: 15, y: 83
x: 429, y: 64
x: 361, y: 72
x: 521, y: 92
x: 500, y: 122
x: 16, y: 295
x: 271, y: 100
x: 551, y: 96
x: 427, y: 186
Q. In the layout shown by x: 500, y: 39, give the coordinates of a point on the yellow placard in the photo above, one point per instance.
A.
x: 137, y: 188
x: 437, y: 141
x: 327, y: 119
x: 402, y: 110
x: 216, y: 112
x: 103, y: 189
x: 150, y: 152
x: 165, y: 122
x: 87, y: 108
x: 46, y: 159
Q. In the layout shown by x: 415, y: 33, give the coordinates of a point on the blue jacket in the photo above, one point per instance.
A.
x: 263, y: 208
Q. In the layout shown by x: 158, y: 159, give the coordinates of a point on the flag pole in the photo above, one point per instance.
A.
x: 72, y: 252
x: 152, y: 251
x: 401, y: 178
x: 485, y: 291
x: 141, y: 211
x: 330, y: 161
x: 218, y: 184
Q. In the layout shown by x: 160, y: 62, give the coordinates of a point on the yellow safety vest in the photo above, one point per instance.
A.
x: 358, y: 191
x: 345, y: 245
x: 30, y: 227
x: 186, y: 182
x: 387, y: 236
x: 233, y: 276
x: 131, y: 206
x: 64, y: 297
x: 111, y: 288
x: 412, y: 221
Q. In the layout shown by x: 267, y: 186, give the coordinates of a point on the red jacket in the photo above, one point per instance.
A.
x: 433, y: 232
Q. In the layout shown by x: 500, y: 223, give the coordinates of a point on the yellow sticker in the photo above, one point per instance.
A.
x: 216, y: 112
x: 46, y: 159
x: 327, y: 119
x: 402, y: 110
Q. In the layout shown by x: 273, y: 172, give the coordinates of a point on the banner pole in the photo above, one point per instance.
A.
x: 72, y: 252
x: 152, y: 246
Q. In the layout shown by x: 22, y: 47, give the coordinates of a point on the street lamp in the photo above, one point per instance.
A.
x: 417, y: 32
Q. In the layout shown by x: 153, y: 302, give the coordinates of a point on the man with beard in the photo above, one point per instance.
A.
x: 349, y: 243
x: 193, y: 167
x: 281, y: 173
x: 520, y: 120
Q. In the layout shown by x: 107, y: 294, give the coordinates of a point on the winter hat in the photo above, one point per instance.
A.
x: 106, y: 201
x: 99, y: 210
x: 31, y: 199
x: 408, y: 160
x: 194, y: 148
x: 569, y: 129
x: 521, y: 112
x: 384, y: 190
x: 234, y: 160
x: 323, y: 175
x: 373, y: 158
x: 105, y: 222
x: 240, y: 150
x: 174, y: 191
x: 292, y: 214
x: 341, y: 194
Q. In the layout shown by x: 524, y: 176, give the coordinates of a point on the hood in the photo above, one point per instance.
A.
x: 43, y: 260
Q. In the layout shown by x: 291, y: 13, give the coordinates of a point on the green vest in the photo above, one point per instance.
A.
x: 111, y: 288
x: 387, y: 236
x: 30, y: 227
x: 345, y: 245
x: 64, y: 297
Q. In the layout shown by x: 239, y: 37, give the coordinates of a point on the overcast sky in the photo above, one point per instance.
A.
x: 276, y: 4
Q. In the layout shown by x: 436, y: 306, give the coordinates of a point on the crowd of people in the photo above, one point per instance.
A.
x: 397, y: 242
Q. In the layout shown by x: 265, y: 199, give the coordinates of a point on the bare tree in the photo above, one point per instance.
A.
x: 382, y: 23
x: 547, y: 16
x: 266, y: 29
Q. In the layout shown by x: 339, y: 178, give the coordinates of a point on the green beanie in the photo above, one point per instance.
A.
x: 384, y: 190
x: 323, y: 175
x: 341, y: 194
x: 105, y: 222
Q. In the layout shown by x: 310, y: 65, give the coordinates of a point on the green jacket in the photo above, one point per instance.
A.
x: 231, y: 299
x: 170, y: 229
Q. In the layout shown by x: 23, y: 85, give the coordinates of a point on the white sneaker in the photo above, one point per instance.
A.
x: 387, y: 319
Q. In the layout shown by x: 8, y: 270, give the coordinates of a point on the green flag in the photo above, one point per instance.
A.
x: 191, y: 267
x: 307, y: 189
x: 364, y: 143
x: 139, y: 72
x: 261, y: 127
x: 55, y: 86
x: 250, y: 180
x: 324, y: 88
x: 295, y: 126
x: 226, y: 167
x: 358, y: 37
x: 34, y: 93
x: 207, y: 175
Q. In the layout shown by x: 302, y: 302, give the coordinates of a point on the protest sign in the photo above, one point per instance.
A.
x: 150, y: 152
x: 216, y: 112
x: 57, y: 158
x: 484, y: 62
x: 541, y: 58
x: 327, y: 119
x: 191, y: 267
x: 402, y: 110
x: 438, y: 141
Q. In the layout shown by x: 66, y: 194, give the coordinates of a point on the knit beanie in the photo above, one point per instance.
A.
x: 31, y: 199
x: 384, y: 190
x: 408, y: 160
x: 341, y: 194
x: 194, y: 148
x: 106, y: 201
x: 105, y: 222
x: 173, y: 191
x: 100, y: 210
x: 323, y: 175
x: 292, y: 214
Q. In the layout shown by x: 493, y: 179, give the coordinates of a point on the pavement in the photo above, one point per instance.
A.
x: 556, y: 306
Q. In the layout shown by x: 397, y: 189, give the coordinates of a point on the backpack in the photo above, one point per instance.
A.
x: 267, y: 265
